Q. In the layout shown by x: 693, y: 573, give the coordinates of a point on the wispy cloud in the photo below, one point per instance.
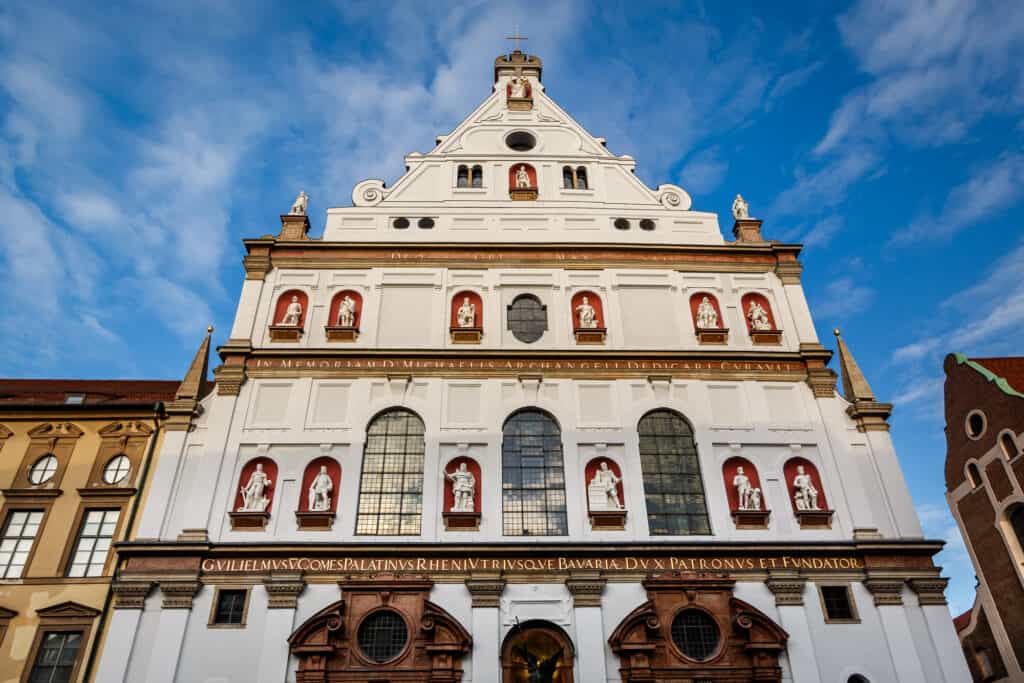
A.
x: 704, y: 171
x: 843, y: 298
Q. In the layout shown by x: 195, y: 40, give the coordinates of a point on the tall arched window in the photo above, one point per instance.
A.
x: 462, y: 178
x: 1017, y: 522
x: 477, y: 176
x: 391, y: 488
x: 567, y: 177
x: 671, y: 469
x: 581, y: 178
x: 532, y: 476
x: 1008, y: 445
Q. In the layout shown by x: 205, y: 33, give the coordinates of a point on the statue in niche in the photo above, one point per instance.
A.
x: 805, y: 495
x: 758, y: 317
x: 522, y: 179
x: 254, y: 493
x: 299, y: 207
x: 347, y: 312
x: 466, y: 315
x: 463, y: 488
x: 320, y: 491
x: 707, y: 316
x: 755, y: 499
x: 603, y: 490
x: 740, y: 208
x: 741, y: 483
x: 586, y: 315
x: 292, y: 314
x: 517, y: 88
x: 539, y: 670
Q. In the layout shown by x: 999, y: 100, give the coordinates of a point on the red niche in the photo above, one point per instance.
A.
x: 750, y: 298
x: 474, y: 299
x: 514, y: 168
x: 695, y: 303
x: 449, y: 496
x: 311, y: 472
x: 593, y: 300
x: 591, y: 470
x: 269, y: 468
x: 332, y: 315
x: 729, y: 470
x: 789, y: 471
x: 282, y: 306
x: 529, y: 89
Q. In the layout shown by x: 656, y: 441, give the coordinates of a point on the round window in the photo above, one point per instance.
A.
x: 646, y: 224
x: 117, y: 469
x: 382, y: 636
x: 621, y: 224
x: 695, y: 633
x: 426, y: 223
x: 43, y: 469
x: 975, y: 424
x: 400, y: 223
x: 521, y: 141
x: 527, y: 318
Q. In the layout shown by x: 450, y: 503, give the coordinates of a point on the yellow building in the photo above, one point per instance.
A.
x: 74, y: 459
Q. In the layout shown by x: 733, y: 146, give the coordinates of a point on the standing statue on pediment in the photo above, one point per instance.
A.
x: 254, y: 498
x: 292, y: 314
x: 741, y: 482
x: 522, y: 179
x: 805, y: 494
x: 586, y: 315
x: 466, y: 315
x: 320, y: 491
x: 463, y: 488
x: 347, y: 312
x: 299, y: 207
x: 740, y: 208
x: 707, y: 316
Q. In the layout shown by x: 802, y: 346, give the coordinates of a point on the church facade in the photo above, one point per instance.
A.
x: 519, y: 417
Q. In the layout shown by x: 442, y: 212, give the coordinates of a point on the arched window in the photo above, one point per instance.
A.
x: 391, y: 488
x: 1008, y: 445
x: 527, y: 318
x: 567, y: 182
x: 462, y: 179
x: 532, y: 476
x: 581, y: 178
x: 1017, y: 523
x: 857, y: 678
x: 974, y: 475
x: 477, y: 177
x: 671, y: 470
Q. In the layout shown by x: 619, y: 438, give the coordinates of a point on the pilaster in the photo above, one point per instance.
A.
x: 283, y: 592
x: 586, y: 590
x: 788, y: 588
x: 485, y: 591
x: 129, y: 601
x: 888, y: 595
x: 170, y: 631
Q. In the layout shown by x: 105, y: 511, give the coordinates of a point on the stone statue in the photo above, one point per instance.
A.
x: 299, y: 207
x: 707, y: 316
x: 805, y: 495
x: 539, y: 670
x: 755, y: 499
x: 466, y: 315
x: 758, y: 317
x: 586, y: 315
x: 463, y: 488
x: 743, y: 489
x: 522, y: 179
x: 292, y: 314
x: 347, y: 312
x: 740, y: 208
x: 517, y: 88
x: 254, y: 498
x: 320, y: 491
x: 603, y: 490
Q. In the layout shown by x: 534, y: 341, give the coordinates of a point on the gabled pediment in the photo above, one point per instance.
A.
x: 56, y: 430
x: 7, y: 614
x: 68, y: 610
x: 127, y: 428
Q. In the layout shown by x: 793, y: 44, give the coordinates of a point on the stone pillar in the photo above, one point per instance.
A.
x: 586, y: 590
x: 129, y: 601
x: 788, y: 588
x: 282, y: 598
x: 166, y: 465
x: 932, y: 598
x: 170, y: 631
x: 888, y: 594
x: 485, y: 591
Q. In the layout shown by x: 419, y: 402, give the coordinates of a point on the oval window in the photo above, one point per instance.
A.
x: 695, y: 633
x: 382, y: 636
x: 117, y: 469
x: 400, y: 223
x: 621, y: 224
x: 426, y: 223
x: 527, y: 318
x: 521, y: 141
x: 975, y: 424
x: 646, y: 224
x: 43, y: 469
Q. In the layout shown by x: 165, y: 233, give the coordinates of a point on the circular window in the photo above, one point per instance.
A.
x: 527, y: 318
x: 975, y: 424
x: 382, y: 636
x: 400, y: 223
x: 117, y: 469
x: 621, y: 224
x: 695, y: 633
x: 647, y: 224
x: 426, y: 223
x: 43, y: 469
x: 521, y: 141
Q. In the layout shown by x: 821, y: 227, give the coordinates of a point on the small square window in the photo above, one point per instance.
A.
x: 838, y: 603
x: 229, y: 607
x: 74, y: 399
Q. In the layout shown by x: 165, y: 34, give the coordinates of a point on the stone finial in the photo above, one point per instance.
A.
x: 869, y: 413
x: 194, y: 386
x: 745, y: 229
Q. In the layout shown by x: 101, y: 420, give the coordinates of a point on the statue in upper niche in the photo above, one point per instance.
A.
x: 347, y: 312
x: 292, y: 314
x: 463, y: 488
x: 517, y: 88
x: 758, y: 317
x: 522, y: 178
x: 603, y: 489
x: 254, y: 498
x: 320, y: 491
x: 299, y: 207
x: 586, y: 315
x: 466, y: 315
x: 707, y: 316
x: 749, y: 498
x: 805, y: 494
x: 740, y: 208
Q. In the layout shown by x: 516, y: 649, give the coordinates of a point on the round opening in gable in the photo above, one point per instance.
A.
x: 400, y: 223
x: 426, y: 223
x: 621, y: 224
x: 975, y: 424
x: 521, y: 141
x: 646, y: 224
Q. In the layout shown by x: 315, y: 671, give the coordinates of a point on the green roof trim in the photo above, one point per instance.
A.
x: 1003, y: 385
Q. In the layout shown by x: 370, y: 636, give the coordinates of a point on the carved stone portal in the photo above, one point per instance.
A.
x: 334, y: 645
x: 748, y: 643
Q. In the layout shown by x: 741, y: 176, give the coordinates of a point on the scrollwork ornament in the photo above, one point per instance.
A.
x: 369, y: 193
x: 674, y: 197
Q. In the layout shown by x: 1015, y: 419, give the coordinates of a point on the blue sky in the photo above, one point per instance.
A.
x: 138, y: 145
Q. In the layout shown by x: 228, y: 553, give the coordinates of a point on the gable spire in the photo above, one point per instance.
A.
x: 194, y: 386
x: 869, y: 414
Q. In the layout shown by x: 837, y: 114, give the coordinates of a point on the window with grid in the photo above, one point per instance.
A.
x: 673, y: 486
x: 532, y: 476
x: 527, y: 318
x: 93, y: 545
x: 837, y: 603
x: 58, y: 653
x: 391, y: 489
x: 19, y: 534
x: 382, y: 636
x: 230, y: 608
x: 695, y: 633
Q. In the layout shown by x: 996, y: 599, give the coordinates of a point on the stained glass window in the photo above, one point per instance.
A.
x: 673, y: 486
x: 533, y: 476
x: 391, y: 489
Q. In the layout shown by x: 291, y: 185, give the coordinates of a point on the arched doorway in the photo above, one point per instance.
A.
x: 539, y: 649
